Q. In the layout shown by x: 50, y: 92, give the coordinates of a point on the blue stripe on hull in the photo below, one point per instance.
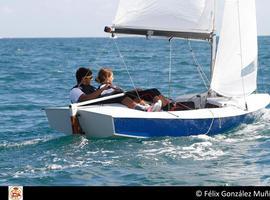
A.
x: 142, y: 127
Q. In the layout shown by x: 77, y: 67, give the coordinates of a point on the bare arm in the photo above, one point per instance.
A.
x: 94, y: 95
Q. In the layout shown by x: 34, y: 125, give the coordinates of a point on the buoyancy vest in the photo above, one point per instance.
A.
x: 87, y: 89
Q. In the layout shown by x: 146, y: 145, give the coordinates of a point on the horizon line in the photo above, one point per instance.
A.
x: 80, y: 37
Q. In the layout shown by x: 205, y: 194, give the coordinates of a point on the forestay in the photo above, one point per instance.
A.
x: 174, y: 18
x: 235, y: 70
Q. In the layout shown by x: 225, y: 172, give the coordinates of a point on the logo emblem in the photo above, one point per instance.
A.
x: 15, y: 193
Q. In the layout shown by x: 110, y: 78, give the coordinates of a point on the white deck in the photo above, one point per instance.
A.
x: 230, y: 108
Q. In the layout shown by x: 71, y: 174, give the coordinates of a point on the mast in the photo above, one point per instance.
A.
x: 213, y: 54
x: 213, y: 43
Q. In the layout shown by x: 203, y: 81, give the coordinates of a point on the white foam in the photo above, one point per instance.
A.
x: 24, y: 143
x: 54, y: 167
x: 202, y: 151
x: 105, y: 162
x: 196, y: 151
x: 266, y: 115
x: 205, y: 137
x: 84, y: 141
x: 246, y: 138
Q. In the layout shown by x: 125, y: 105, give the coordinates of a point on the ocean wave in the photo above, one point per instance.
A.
x: 8, y: 144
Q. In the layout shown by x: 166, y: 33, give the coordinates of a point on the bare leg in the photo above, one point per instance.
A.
x: 132, y: 104
x: 76, y: 128
x: 137, y: 100
x: 128, y: 102
x: 164, y: 100
x: 140, y: 101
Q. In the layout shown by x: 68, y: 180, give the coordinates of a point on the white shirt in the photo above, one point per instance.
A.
x: 75, y: 94
x: 107, y: 91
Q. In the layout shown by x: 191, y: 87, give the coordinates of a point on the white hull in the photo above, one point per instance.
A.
x: 112, y: 120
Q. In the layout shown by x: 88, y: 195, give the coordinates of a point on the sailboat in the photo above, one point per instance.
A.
x: 232, y: 98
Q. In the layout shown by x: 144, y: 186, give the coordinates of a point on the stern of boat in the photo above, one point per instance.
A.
x: 59, y: 119
x: 95, y: 124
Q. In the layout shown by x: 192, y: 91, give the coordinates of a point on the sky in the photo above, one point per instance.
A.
x: 76, y: 18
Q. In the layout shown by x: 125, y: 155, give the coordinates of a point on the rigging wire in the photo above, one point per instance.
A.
x: 199, y: 67
x: 105, y: 47
x: 97, y: 59
x: 241, y: 56
x: 126, y: 67
x: 170, y: 69
x: 262, y: 79
x: 212, y: 122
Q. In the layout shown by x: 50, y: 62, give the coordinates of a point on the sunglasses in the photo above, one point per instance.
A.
x: 88, y: 77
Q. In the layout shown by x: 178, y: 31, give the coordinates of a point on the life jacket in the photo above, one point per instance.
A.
x: 87, y: 89
x: 111, y: 90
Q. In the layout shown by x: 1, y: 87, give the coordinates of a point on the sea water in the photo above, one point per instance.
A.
x: 38, y: 73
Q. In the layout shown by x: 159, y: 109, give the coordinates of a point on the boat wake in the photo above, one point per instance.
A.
x: 197, y: 150
x: 204, y: 147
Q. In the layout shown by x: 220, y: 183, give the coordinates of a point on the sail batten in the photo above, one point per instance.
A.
x: 173, y: 18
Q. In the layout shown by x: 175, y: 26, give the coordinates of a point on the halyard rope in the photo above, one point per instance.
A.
x: 199, y: 67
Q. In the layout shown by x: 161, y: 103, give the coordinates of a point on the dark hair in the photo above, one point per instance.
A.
x: 82, y: 72
x: 103, y: 74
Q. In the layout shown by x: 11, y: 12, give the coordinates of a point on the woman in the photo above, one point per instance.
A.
x: 132, y: 99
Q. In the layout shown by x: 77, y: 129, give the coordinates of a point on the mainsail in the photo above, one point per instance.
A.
x: 235, y: 67
x: 173, y: 18
x: 235, y: 70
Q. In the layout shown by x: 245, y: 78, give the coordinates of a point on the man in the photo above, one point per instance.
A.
x: 84, y: 90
